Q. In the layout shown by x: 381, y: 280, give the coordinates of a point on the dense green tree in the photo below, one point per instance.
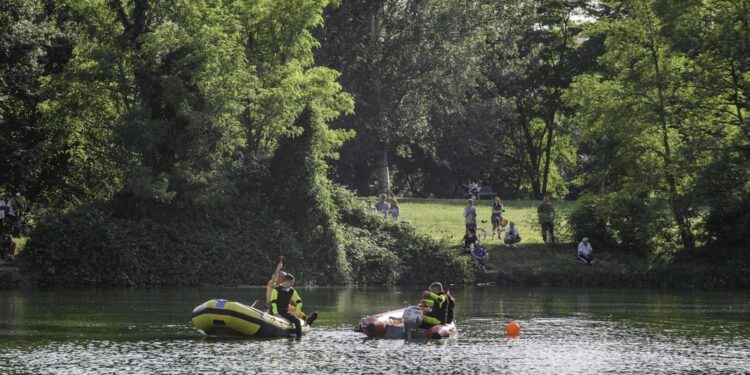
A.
x: 30, y: 48
x: 298, y: 176
x: 637, y: 111
x: 548, y: 53
x: 714, y: 37
x: 410, y: 66
x: 158, y: 98
x: 477, y: 100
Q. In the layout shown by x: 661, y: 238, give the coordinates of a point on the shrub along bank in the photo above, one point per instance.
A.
x: 92, y: 245
x: 284, y: 207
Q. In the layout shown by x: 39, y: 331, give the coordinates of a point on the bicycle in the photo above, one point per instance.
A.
x: 482, y: 231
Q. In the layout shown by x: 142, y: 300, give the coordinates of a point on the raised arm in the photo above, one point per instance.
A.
x: 279, y: 267
x: 272, y: 283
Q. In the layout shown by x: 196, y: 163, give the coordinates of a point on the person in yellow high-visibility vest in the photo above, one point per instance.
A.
x: 281, y: 296
x: 436, y: 302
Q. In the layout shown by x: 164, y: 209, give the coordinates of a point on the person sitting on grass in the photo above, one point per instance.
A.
x: 479, y: 255
x: 512, y: 235
x: 470, y: 239
x: 584, y: 251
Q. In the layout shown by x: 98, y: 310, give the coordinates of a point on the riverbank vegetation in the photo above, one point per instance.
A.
x: 537, y: 263
x: 162, y: 144
x: 637, y: 109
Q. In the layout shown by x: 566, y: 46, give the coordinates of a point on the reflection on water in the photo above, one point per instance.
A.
x: 564, y: 331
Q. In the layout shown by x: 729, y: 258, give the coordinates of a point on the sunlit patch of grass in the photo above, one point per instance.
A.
x: 443, y: 218
x: 532, y: 262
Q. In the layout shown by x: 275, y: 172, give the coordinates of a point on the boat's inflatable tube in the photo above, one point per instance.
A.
x: 442, y: 331
x: 219, y: 317
x: 390, y: 325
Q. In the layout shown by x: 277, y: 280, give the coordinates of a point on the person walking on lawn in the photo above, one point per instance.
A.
x: 546, y: 213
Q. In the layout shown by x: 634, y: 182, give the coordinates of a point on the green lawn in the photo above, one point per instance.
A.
x: 443, y: 218
x: 532, y: 262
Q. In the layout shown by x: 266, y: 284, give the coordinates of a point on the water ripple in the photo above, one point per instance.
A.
x: 580, y: 333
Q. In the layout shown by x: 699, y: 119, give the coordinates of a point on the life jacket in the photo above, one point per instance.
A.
x: 283, y: 298
x: 440, y: 311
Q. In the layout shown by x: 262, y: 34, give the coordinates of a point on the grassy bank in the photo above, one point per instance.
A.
x: 443, y: 218
x: 536, y: 263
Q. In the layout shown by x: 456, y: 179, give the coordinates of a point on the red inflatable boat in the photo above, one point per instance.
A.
x: 403, y: 324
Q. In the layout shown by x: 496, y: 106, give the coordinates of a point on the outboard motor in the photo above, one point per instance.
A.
x: 412, y: 317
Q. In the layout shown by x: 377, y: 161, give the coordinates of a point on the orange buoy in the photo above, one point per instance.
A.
x: 513, y: 329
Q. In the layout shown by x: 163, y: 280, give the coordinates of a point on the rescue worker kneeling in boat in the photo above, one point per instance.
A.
x: 281, y: 296
x: 439, y: 306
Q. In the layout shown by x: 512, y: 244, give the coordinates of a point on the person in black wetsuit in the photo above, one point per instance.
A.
x: 436, y: 302
x: 281, y: 296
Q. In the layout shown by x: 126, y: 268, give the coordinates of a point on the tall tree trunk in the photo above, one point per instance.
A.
x: 548, y: 151
x: 678, y: 210
x: 384, y: 178
x: 362, y: 179
x: 531, y: 151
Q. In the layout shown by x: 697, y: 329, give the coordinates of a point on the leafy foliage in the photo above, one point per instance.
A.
x: 154, y: 120
x: 298, y: 176
x: 374, y: 245
x: 628, y: 220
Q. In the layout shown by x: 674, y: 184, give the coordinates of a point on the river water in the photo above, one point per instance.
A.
x: 564, y: 331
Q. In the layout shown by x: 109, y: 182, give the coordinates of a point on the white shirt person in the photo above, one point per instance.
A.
x: 584, y: 251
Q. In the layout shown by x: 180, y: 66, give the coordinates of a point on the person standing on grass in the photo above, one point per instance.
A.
x: 585, y: 251
x: 546, y: 213
x: 381, y: 206
x: 394, y: 210
x: 512, y: 235
x: 470, y: 216
x: 497, y: 216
